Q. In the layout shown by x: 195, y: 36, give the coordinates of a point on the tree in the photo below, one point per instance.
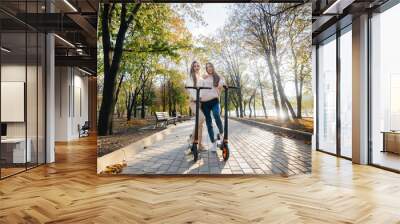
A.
x: 137, y: 35
x: 112, y: 59
x: 261, y: 87
x: 263, y: 25
x: 299, y: 39
x: 227, y: 52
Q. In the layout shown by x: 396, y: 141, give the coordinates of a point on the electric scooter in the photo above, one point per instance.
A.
x: 193, y: 147
x: 224, y: 146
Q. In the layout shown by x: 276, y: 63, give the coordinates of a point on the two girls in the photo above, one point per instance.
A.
x: 209, y: 99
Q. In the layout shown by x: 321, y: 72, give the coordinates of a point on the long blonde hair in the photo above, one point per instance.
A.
x: 216, y: 77
x: 193, y: 73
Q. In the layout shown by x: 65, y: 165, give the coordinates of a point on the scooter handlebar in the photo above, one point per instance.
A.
x: 230, y: 87
x: 195, y: 87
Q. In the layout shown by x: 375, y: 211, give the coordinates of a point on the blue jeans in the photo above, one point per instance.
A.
x: 208, y: 107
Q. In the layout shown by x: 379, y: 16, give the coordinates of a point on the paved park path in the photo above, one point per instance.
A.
x: 253, y: 151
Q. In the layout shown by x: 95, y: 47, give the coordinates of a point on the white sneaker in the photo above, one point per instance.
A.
x: 213, y: 147
x: 220, y: 139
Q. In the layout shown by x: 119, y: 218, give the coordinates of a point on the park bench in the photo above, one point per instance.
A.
x: 164, y: 119
x: 180, y: 117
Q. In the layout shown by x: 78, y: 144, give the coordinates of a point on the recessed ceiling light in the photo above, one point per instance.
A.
x: 5, y: 50
x: 337, y: 7
x: 70, y: 5
x: 64, y: 40
x: 84, y: 71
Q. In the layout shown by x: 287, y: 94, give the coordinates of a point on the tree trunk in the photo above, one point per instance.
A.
x: 240, y: 102
x: 284, y: 100
x: 135, y: 109
x: 142, y: 111
x: 127, y: 105
x: 300, y: 99
x: 262, y: 98
x: 132, y: 106
x: 244, y: 107
x: 163, y: 96
x: 250, y: 110
x: 128, y: 115
x: 274, y: 89
x: 254, y: 104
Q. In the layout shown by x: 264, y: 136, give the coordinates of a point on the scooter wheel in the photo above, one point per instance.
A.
x: 195, y: 152
x: 225, y: 152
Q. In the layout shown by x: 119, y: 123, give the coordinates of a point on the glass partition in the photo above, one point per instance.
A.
x: 327, y: 95
x: 385, y: 89
x: 14, y: 145
x: 346, y: 93
x: 22, y: 87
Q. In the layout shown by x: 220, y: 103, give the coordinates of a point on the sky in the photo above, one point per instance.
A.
x: 214, y: 15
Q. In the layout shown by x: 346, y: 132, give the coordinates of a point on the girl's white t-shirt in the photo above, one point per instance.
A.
x: 214, y: 92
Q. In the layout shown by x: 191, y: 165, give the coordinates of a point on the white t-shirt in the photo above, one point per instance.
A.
x: 214, y: 92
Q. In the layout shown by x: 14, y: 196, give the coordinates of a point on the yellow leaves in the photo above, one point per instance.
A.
x: 114, y: 169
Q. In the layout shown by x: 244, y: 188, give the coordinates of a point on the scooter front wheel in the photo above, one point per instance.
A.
x: 225, y: 152
x: 195, y: 152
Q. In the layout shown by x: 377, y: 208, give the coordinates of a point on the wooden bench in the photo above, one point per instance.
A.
x: 181, y: 117
x: 164, y: 119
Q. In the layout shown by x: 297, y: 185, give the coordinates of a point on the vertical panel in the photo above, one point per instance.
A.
x: 31, y: 100
x: 327, y: 96
x: 41, y: 100
x: 346, y: 93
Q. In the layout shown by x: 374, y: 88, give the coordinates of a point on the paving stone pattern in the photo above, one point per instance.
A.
x: 252, y: 151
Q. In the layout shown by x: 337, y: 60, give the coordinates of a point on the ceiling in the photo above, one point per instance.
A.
x: 73, y: 21
x: 330, y: 15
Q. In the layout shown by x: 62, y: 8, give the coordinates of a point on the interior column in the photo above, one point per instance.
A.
x: 360, y: 90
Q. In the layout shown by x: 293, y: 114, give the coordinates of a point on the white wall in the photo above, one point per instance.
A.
x: 33, y: 126
x: 12, y: 73
x: 16, y: 73
x: 71, y: 102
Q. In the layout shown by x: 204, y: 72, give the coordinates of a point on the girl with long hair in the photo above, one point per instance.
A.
x: 195, y: 79
x: 210, y: 102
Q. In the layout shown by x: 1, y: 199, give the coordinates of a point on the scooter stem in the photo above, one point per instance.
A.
x: 196, y: 131
x: 196, y: 126
x: 226, y: 111
x: 226, y: 116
